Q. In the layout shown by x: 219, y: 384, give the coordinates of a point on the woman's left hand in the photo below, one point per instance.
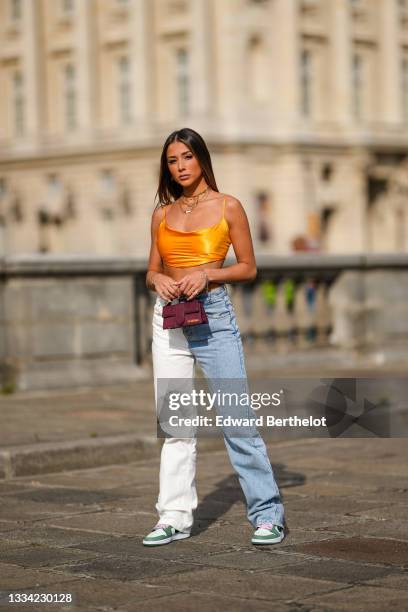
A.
x: 192, y: 283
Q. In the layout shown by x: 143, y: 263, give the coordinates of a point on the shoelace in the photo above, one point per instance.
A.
x: 265, y: 526
x: 161, y: 526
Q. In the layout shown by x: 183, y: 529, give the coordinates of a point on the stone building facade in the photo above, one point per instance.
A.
x: 304, y: 105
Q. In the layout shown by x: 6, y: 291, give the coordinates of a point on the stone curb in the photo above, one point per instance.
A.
x: 47, y: 457
x: 51, y: 457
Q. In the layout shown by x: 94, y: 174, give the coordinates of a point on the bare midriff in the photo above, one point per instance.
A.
x: 178, y: 273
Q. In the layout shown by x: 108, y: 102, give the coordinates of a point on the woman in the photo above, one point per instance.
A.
x: 190, y: 235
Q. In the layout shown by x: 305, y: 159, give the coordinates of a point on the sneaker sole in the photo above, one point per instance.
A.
x: 268, y: 541
x: 177, y: 536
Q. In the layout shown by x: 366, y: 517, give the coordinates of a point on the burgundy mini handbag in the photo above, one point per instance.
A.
x: 184, y: 314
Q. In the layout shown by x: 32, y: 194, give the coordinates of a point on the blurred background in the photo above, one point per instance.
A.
x: 304, y: 106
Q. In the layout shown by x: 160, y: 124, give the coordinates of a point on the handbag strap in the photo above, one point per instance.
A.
x: 180, y: 299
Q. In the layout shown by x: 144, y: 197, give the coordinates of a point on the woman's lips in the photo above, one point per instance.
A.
x: 184, y: 177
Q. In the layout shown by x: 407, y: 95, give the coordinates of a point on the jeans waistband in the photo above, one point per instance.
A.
x: 213, y: 294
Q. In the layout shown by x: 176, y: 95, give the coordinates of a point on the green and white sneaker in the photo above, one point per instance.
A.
x: 163, y: 534
x: 268, y: 533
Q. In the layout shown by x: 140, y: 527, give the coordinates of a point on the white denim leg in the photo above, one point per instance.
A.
x: 177, y: 499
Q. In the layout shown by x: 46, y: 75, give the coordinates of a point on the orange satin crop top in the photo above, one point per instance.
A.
x: 181, y: 249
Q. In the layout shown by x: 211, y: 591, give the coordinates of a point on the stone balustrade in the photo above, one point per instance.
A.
x: 70, y: 320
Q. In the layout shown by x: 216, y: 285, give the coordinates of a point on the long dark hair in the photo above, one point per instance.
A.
x: 168, y: 190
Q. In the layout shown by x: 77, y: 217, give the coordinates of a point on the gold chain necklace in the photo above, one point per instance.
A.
x: 195, y: 199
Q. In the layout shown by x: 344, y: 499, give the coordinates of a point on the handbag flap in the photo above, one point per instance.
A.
x: 172, y: 310
x: 193, y: 306
x: 169, y: 310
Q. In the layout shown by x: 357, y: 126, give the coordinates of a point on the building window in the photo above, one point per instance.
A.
x: 357, y: 85
x: 108, y: 194
x: 125, y: 90
x: 19, y: 103
x: 67, y: 7
x: 70, y: 97
x: 404, y: 87
x: 182, y: 77
x: 16, y: 10
x: 108, y: 182
x: 263, y: 207
x: 326, y: 172
x: 54, y: 186
x: 258, y: 71
x: 306, y: 82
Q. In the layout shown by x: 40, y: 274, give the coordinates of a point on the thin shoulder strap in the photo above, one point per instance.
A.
x: 164, y: 215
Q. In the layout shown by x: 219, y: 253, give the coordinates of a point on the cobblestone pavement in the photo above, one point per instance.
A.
x: 346, y: 500
x: 79, y: 531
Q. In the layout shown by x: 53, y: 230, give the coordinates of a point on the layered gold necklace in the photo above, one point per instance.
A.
x: 191, y: 202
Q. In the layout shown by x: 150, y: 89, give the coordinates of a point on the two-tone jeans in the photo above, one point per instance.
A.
x: 217, y: 347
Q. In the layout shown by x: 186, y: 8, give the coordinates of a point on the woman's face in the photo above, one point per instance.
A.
x: 182, y: 164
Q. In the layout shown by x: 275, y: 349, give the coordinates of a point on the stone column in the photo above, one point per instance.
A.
x: 341, y: 61
x: 390, y: 59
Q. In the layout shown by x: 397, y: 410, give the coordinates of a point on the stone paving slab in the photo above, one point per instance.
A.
x: 370, y: 550
x: 38, y: 556
x: 126, y: 568
x: 375, y: 599
x: 334, y: 570
x: 107, y: 593
x: 398, y: 581
x: 393, y: 529
x: 193, y: 601
x: 119, y: 523
x: 384, y: 511
x: 130, y: 547
x: 259, y: 585
x: 53, y: 536
x: 346, y: 505
x: 13, y: 576
x: 84, y: 528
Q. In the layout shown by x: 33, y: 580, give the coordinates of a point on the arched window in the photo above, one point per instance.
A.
x: 306, y: 82
x: 357, y: 72
x: 183, y: 81
x: 67, y: 7
x: 257, y: 73
x: 16, y: 9
x: 70, y: 97
x: 125, y: 90
x: 404, y: 87
x: 19, y: 103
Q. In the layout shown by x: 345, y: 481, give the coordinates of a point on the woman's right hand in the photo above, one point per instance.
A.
x: 165, y: 286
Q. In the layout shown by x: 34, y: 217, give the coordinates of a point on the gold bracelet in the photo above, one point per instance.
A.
x: 152, y: 279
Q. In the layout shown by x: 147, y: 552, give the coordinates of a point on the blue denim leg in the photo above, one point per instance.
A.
x: 217, y: 347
